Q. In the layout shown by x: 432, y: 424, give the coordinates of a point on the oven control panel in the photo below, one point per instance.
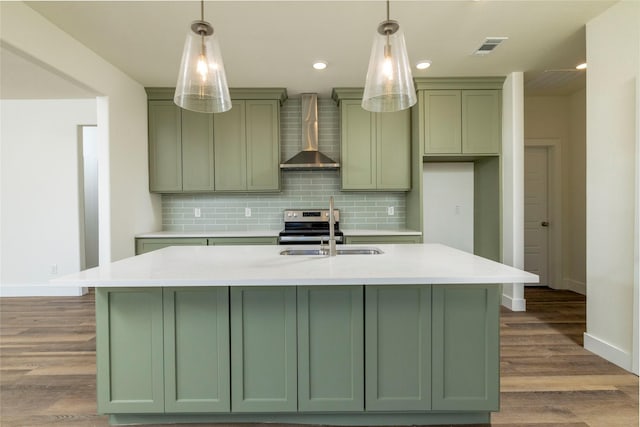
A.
x: 310, y: 215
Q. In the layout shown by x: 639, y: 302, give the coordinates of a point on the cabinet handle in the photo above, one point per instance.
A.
x: 544, y: 223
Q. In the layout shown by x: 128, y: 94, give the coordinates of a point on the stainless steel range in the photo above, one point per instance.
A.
x: 308, y: 227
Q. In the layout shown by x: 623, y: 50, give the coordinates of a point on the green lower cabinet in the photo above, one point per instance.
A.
x: 243, y: 241
x: 129, y: 350
x: 196, y: 350
x: 263, y: 345
x: 398, y: 348
x: 466, y: 348
x: 382, y: 240
x: 144, y: 245
x: 330, y: 349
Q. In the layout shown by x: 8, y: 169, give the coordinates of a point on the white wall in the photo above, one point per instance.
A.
x: 613, y: 45
x: 513, y: 186
x: 448, y: 204
x: 40, y: 211
x: 126, y: 206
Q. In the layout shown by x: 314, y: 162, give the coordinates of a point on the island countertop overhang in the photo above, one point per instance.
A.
x: 400, y: 264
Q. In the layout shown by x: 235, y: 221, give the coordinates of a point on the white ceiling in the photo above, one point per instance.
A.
x: 273, y: 43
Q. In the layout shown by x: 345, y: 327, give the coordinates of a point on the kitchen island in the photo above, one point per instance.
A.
x: 244, y: 334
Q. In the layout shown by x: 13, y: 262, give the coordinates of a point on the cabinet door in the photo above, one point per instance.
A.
x: 263, y: 348
x: 481, y: 121
x: 330, y: 349
x: 165, y: 152
x: 393, y: 150
x: 380, y: 240
x: 230, y: 146
x: 196, y: 350
x: 242, y: 241
x: 129, y: 350
x: 358, y: 147
x: 466, y: 348
x: 263, y: 145
x: 197, y: 151
x: 398, y: 348
x: 442, y: 118
x: 147, y: 245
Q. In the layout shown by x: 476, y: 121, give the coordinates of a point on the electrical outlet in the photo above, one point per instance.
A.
x: 391, y: 211
x: 197, y: 213
x: 247, y: 212
x: 54, y: 268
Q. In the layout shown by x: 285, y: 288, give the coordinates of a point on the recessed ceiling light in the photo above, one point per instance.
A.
x: 582, y: 66
x: 320, y: 65
x: 423, y: 64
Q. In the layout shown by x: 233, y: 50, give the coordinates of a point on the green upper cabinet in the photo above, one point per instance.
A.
x: 197, y: 151
x: 180, y: 149
x: 238, y: 150
x: 375, y: 147
x: 481, y: 121
x: 165, y: 147
x: 247, y: 146
x: 460, y: 116
x: 231, y: 149
x: 442, y: 115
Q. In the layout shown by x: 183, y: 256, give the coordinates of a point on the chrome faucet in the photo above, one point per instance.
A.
x: 332, y: 224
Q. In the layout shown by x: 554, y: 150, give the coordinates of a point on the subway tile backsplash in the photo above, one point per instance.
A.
x: 300, y: 190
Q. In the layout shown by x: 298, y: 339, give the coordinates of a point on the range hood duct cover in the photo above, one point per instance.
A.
x: 310, y: 158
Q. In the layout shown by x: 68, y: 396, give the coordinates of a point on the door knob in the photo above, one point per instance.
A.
x: 544, y: 223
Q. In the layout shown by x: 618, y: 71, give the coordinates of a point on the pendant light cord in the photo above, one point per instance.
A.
x: 202, y: 10
x: 387, y: 10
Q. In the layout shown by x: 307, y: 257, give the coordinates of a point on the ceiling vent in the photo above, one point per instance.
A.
x: 489, y: 44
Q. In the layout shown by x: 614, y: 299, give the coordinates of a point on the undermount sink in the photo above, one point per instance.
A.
x: 325, y: 251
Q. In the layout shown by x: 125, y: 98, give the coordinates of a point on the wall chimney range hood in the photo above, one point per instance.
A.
x: 309, y: 158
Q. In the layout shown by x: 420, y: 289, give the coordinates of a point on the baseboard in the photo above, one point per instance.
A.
x: 28, y: 290
x: 607, y: 351
x: 514, y: 304
x: 575, y: 286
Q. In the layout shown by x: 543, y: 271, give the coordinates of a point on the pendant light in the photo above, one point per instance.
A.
x: 202, y: 83
x: 389, y: 85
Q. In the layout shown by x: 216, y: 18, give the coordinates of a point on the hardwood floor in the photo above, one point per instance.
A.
x: 47, y: 366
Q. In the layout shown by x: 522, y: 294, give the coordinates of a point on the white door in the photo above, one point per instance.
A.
x: 536, y: 219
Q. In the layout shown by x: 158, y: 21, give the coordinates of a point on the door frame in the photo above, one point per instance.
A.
x: 554, y: 207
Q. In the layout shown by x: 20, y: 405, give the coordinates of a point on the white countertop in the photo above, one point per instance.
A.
x: 268, y: 233
x: 264, y: 266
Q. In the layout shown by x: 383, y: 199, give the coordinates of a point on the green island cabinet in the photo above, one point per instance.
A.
x: 360, y: 355
x: 375, y: 147
x: 148, y: 244
x: 460, y: 116
x: 151, y: 336
x: 234, y: 151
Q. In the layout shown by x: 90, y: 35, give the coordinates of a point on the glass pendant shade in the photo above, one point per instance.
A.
x: 389, y: 84
x: 202, y: 82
